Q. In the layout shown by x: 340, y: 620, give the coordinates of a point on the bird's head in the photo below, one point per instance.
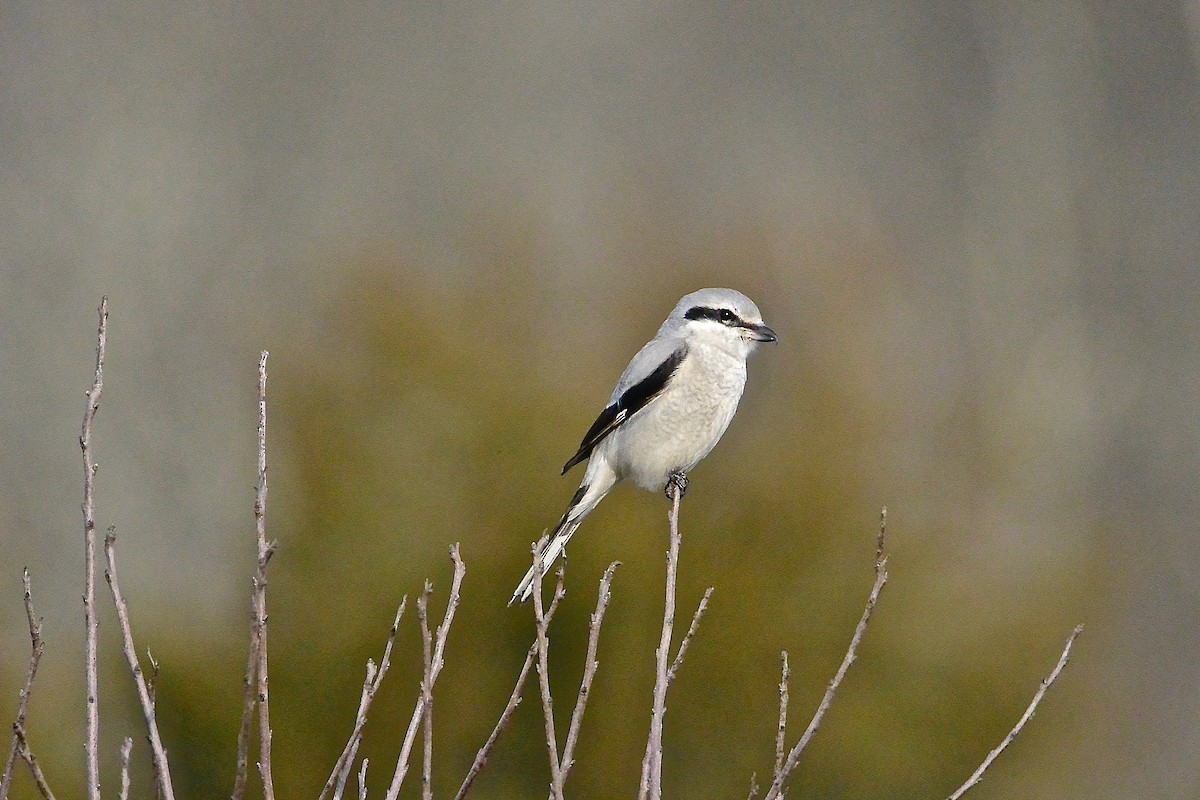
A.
x: 723, y: 318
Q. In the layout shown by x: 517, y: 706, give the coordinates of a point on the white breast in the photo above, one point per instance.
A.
x: 683, y: 424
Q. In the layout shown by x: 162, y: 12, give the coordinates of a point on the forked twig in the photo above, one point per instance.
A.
x: 159, y: 753
x: 687, y: 637
x: 35, y: 769
x: 92, y: 742
x: 435, y: 669
x: 37, y: 647
x: 1028, y: 715
x: 881, y: 577
x: 345, y: 763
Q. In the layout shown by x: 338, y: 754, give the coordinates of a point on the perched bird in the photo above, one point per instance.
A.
x: 669, y: 409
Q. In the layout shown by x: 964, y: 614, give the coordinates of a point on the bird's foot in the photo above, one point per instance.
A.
x: 677, y: 482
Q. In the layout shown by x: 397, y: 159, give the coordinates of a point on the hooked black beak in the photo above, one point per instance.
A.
x: 761, y: 333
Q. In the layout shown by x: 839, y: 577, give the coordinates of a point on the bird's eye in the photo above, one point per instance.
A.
x: 726, y: 315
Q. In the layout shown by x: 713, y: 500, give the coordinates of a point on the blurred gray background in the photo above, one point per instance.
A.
x: 974, y: 225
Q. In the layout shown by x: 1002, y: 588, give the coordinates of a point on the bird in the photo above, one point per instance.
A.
x: 668, y: 410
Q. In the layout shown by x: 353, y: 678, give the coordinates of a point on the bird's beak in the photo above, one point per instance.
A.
x: 761, y: 333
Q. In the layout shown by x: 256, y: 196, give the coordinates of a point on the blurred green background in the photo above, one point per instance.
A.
x: 974, y: 227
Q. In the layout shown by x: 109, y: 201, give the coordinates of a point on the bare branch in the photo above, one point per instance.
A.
x: 151, y: 689
x: 344, y: 775
x: 345, y: 762
x: 651, y: 784
x: 426, y: 691
x: 435, y: 669
x: 362, y: 780
x: 248, y: 702
x: 513, y: 701
x: 37, y: 647
x: 781, y: 732
x: 34, y: 768
x: 1028, y: 715
x: 126, y: 746
x: 92, y: 743
x: 543, y: 666
x: 590, y: 664
x: 156, y: 746
x: 881, y: 577
x: 265, y: 551
x: 687, y: 638
x: 753, y: 786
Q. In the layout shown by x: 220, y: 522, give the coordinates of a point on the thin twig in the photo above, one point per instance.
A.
x: 35, y: 769
x: 781, y: 731
x: 513, y: 701
x: 793, y: 758
x: 426, y: 691
x: 92, y: 742
x: 151, y: 689
x: 344, y: 775
x: 543, y: 666
x: 687, y: 639
x: 265, y: 551
x: 753, y: 786
x: 37, y: 647
x: 159, y: 753
x: 362, y: 780
x: 1028, y: 715
x: 651, y: 784
x: 126, y: 746
x: 439, y: 650
x: 345, y: 762
x: 248, y: 701
x: 590, y: 664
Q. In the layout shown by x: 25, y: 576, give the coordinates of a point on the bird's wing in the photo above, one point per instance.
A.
x: 644, y: 379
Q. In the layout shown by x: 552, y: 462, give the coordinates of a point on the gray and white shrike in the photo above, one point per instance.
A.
x: 669, y: 409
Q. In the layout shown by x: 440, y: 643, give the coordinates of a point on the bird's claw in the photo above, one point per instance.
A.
x: 677, y: 481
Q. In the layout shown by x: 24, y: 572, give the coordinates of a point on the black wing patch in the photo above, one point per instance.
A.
x: 632, y: 401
